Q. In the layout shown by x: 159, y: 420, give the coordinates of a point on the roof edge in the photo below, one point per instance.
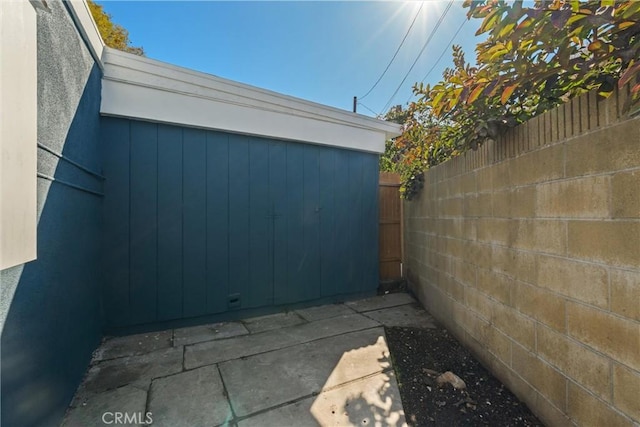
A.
x: 131, y: 69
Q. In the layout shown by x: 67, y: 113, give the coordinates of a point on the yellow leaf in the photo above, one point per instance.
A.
x: 475, y: 94
x: 626, y: 24
x: 506, y: 94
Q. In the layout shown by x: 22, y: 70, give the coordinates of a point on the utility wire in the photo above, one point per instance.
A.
x: 360, y: 103
x: 433, y: 32
x: 442, y: 54
x: 395, y: 54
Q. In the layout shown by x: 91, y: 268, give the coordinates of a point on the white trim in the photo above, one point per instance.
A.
x: 88, y: 28
x: 147, y: 89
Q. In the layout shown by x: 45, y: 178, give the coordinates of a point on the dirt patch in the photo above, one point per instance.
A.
x: 421, y: 355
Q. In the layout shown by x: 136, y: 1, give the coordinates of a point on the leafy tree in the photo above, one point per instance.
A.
x: 533, y: 59
x: 114, y: 35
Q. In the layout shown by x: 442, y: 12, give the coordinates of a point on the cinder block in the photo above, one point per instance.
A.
x: 479, y: 254
x: 468, y: 183
x: 522, y: 202
x: 626, y: 391
x: 489, y: 337
x: 479, y: 303
x: 577, y: 198
x: 501, y: 203
x: 515, y: 383
x: 584, y: 282
x: 469, y: 229
x: 496, y: 285
x: 625, y: 293
x: 588, y: 411
x: 518, y: 264
x: 549, y: 382
x: 544, y: 306
x: 546, y: 236
x: 470, y: 206
x: 614, y: 336
x: 625, y: 200
x: 501, y: 175
x: 515, y: 325
x: 576, y: 116
x: 579, y: 362
x: 610, y: 149
x: 451, y: 207
x: 484, y: 204
x: 464, y: 272
x: 611, y: 242
x: 518, y: 202
x: 484, y: 179
x: 549, y: 414
x: 493, y: 230
x: 541, y: 165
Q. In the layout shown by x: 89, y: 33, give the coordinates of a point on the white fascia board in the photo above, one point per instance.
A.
x: 88, y: 28
x: 151, y: 90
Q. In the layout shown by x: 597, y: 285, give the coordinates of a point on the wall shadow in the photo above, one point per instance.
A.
x: 54, y: 320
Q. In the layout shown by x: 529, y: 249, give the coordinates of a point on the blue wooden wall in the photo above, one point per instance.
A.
x: 199, y: 223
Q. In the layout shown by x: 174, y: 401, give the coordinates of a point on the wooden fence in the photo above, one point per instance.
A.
x: 390, y: 227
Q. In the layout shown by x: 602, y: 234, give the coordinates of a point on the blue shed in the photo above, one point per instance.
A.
x: 224, y: 200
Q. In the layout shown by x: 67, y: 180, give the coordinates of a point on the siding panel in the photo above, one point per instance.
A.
x: 144, y: 242
x: 194, y: 223
x: 217, y: 222
x: 260, y: 219
x: 239, y: 218
x: 329, y: 279
x: 169, y: 223
x: 278, y: 195
x: 116, y: 221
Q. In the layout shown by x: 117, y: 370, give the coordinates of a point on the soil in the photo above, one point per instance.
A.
x: 421, y: 355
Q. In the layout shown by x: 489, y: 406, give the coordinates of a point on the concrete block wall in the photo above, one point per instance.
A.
x: 528, y: 250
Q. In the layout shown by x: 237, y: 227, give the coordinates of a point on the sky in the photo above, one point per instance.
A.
x: 322, y: 51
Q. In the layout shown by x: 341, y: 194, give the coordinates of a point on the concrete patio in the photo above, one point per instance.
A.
x: 325, y: 365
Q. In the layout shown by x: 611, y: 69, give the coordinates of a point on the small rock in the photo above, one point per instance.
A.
x: 451, y: 378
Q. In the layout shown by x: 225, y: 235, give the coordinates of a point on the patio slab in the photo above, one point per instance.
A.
x: 192, y: 398
x: 318, y: 366
x: 133, y: 345
x: 369, y: 401
x: 410, y: 315
x: 272, y: 321
x: 324, y: 312
x: 91, y: 411
x: 380, y: 302
x: 133, y: 370
x: 213, y: 352
x: 214, y: 331
x: 255, y: 383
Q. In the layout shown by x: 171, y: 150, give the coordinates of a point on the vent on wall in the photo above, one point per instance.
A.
x: 233, y: 301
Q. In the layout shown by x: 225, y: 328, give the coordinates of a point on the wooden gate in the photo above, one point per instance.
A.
x: 390, y: 227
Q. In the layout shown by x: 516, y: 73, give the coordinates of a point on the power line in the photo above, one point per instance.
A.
x: 360, y: 103
x: 395, y: 54
x: 442, y: 54
x: 435, y: 29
